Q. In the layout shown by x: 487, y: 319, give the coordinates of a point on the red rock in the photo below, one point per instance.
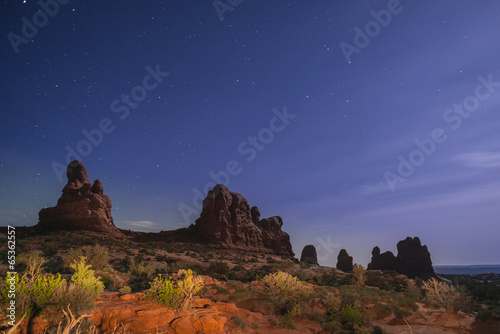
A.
x: 82, y: 206
x: 414, y: 260
x: 226, y: 221
x: 309, y: 255
x: 183, y: 326
x: 344, y: 261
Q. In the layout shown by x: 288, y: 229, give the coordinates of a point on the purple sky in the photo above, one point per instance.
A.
x: 314, y: 108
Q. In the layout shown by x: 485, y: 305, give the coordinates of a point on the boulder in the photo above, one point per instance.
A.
x: 344, y: 261
x: 309, y: 255
x: 82, y: 206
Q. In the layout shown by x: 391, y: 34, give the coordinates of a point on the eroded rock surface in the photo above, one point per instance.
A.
x: 82, y: 206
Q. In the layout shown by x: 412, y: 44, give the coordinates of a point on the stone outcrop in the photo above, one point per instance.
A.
x: 344, y: 261
x: 255, y: 214
x: 413, y: 259
x: 309, y: 255
x: 228, y: 222
x: 384, y: 261
x: 82, y: 206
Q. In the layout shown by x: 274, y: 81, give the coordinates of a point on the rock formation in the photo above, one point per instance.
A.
x: 414, y: 260
x: 344, y: 261
x: 227, y: 221
x: 309, y: 255
x: 384, y: 261
x: 82, y: 206
x: 255, y: 213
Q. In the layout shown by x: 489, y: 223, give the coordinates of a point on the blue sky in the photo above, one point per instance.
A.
x: 324, y: 171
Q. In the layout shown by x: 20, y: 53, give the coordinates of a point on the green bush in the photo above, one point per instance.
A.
x: 287, y: 319
x: 175, y: 293
x: 44, y: 288
x: 281, y: 288
x: 239, y: 322
x: 378, y: 330
x: 84, y: 278
x: 350, y: 316
x: 50, y: 294
x: 96, y: 256
x: 125, y: 290
x: 219, y: 267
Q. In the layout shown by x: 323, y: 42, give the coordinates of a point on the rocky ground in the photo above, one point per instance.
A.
x: 230, y: 302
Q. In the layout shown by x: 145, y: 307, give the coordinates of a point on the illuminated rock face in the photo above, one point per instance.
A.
x: 82, y: 206
x: 227, y: 221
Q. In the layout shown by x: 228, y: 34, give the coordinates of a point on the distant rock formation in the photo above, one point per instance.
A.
x: 384, y: 261
x: 309, y: 255
x: 413, y: 259
x: 344, y: 261
x: 82, y: 206
x: 227, y: 221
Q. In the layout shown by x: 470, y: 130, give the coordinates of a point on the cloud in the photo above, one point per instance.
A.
x: 141, y: 224
x: 479, y: 159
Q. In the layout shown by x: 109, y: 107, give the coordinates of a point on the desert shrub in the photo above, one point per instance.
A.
x: 238, y: 267
x: 307, y: 312
x: 84, y: 278
x: 350, y: 316
x: 331, y: 303
x: 332, y: 326
x: 239, y: 295
x: 484, y: 292
x: 359, y: 274
x: 108, y: 281
x: 96, y: 256
x: 176, y: 293
x: 383, y: 310
x: 304, y: 265
x: 197, y: 269
x: 239, y: 322
x: 330, y: 277
x: 125, y: 290
x: 401, y: 313
x: 358, y: 295
x: 282, y: 288
x: 413, y: 291
x: 287, y: 319
x: 378, y: 330
x: 452, y: 298
x: 221, y: 289
x: 235, y: 284
x: 37, y: 292
x: 141, y: 269
x: 376, y: 280
x: 219, y: 268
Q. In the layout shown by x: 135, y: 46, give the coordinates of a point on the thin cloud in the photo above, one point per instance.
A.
x: 479, y: 159
x: 146, y: 224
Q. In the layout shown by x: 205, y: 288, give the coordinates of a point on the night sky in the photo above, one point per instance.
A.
x: 358, y: 122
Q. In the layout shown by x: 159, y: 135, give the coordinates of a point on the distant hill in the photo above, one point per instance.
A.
x: 468, y: 269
